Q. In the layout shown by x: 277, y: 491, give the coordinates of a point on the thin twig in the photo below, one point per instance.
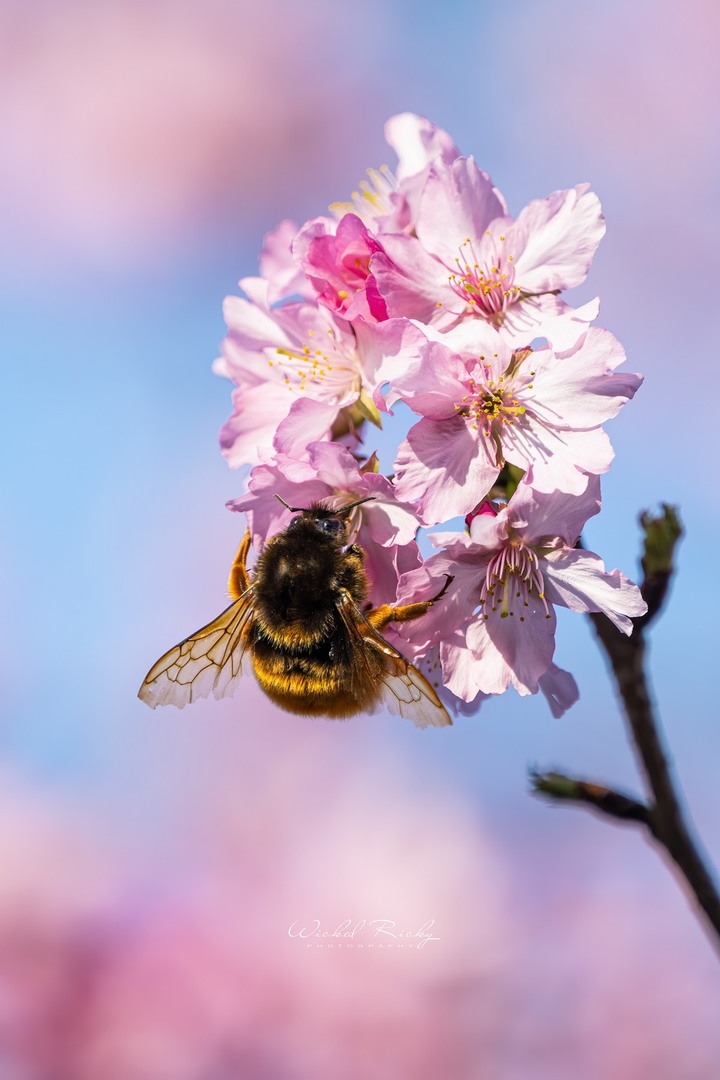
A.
x: 627, y: 661
x: 662, y: 814
x: 560, y: 787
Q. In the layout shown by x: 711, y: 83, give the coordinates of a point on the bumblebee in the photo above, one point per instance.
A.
x: 300, y: 622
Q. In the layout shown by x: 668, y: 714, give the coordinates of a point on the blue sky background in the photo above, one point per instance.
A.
x: 115, y: 541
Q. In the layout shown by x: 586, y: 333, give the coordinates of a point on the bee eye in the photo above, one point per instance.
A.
x: 294, y: 522
x: 332, y: 525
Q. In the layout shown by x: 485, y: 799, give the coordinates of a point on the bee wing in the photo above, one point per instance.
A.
x: 208, y: 660
x: 404, y: 690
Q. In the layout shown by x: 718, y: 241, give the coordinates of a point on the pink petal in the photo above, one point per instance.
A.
x: 252, y: 426
x: 458, y: 201
x: 434, y: 384
x: 578, y: 580
x: 565, y: 330
x: 511, y: 650
x: 489, y: 532
x: 335, y: 465
x: 386, y: 349
x: 388, y: 521
x: 582, y: 389
x: 307, y: 421
x: 257, y: 289
x: 472, y: 338
x: 559, y: 689
x: 461, y: 670
x: 252, y: 326
x: 335, y: 257
x: 266, y: 515
x: 384, y: 565
x: 528, y: 317
x: 572, y: 456
x: 452, y: 611
x: 540, y: 515
x: 442, y: 467
x: 244, y: 366
x: 563, y: 233
x: 284, y: 275
x: 417, y: 142
x: 410, y: 281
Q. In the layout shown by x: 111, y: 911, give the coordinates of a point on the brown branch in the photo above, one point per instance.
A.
x: 627, y: 662
x: 662, y: 815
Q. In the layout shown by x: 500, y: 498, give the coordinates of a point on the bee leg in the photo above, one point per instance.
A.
x: 381, y: 616
x: 239, y: 582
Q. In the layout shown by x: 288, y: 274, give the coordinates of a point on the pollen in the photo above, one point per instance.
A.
x: 325, y: 374
x: 490, y: 405
x: 487, y: 289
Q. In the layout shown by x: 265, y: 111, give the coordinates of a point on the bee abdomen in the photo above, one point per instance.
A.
x: 294, y: 631
x: 316, y: 683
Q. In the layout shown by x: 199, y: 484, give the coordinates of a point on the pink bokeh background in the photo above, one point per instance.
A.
x: 152, y: 864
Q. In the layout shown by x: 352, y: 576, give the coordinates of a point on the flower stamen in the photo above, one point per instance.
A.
x: 373, y: 198
x: 488, y: 291
x: 305, y: 367
x: 512, y: 575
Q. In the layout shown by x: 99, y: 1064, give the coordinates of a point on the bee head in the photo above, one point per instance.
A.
x: 327, y: 521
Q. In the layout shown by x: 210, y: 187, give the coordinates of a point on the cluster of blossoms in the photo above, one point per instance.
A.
x: 424, y: 290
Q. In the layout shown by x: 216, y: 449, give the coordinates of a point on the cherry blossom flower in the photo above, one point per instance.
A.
x: 424, y: 290
x: 470, y: 259
x: 508, y: 575
x: 336, y: 260
x: 557, y: 686
x: 330, y: 255
x: 299, y: 362
x: 383, y: 527
x: 387, y: 202
x: 484, y: 404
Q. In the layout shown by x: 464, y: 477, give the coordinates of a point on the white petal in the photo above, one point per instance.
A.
x: 578, y: 580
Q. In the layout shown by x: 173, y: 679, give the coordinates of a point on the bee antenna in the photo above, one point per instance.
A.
x: 292, y: 509
x: 351, y: 506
